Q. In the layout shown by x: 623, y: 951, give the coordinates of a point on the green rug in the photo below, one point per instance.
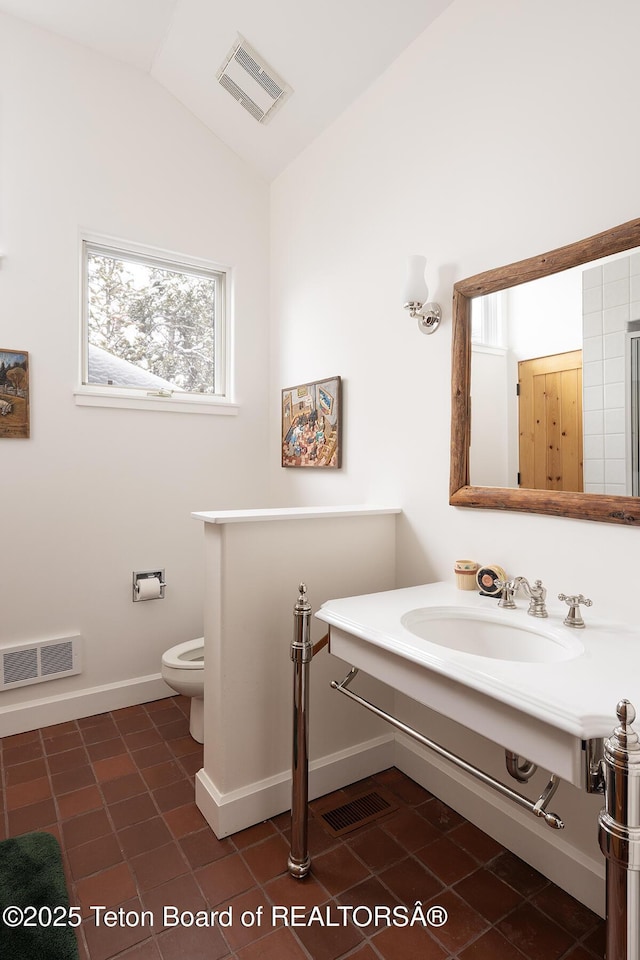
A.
x: 32, y: 881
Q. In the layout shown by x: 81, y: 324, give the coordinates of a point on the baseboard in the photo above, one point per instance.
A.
x: 226, y: 813
x: 45, y: 711
x: 580, y: 875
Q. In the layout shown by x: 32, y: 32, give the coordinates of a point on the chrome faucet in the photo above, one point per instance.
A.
x: 537, y: 595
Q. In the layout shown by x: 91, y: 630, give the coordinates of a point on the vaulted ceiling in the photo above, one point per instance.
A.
x: 329, y: 53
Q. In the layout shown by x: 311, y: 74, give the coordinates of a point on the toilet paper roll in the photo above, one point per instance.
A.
x: 149, y: 588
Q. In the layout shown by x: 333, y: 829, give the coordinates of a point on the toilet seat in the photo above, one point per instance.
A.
x: 185, y: 656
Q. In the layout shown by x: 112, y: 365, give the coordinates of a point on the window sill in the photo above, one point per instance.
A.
x: 87, y: 396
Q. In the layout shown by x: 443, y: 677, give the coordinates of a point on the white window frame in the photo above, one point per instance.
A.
x: 136, y: 398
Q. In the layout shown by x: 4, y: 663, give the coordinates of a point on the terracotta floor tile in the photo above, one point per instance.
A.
x: 463, y: 924
x: 135, y: 809
x: 101, y: 731
x: 196, y: 943
x: 329, y: 942
x: 31, y: 791
x: 268, y: 859
x: 239, y: 934
x: 71, y: 780
x: 170, y: 714
x: 174, y: 795
x: 94, y: 856
x: 596, y: 941
x: 130, y: 723
x: 409, y: 880
x: 138, y: 739
x: 113, y: 767
x: 369, y: 893
x: 376, y: 848
x: 192, y: 762
x: 79, y: 801
x: 86, y: 827
x: 109, y: 888
x: 518, y: 874
x: 244, y: 838
x: 106, y: 748
x: 480, y: 845
x: 287, y: 892
x: 184, y: 820
x: 154, y: 705
x: 32, y: 817
x: 177, y: 730
x: 338, y: 870
x: 440, y: 815
x: 447, y: 860
x: 105, y: 941
x: 20, y: 739
x: 279, y: 945
x: 145, y: 836
x: 534, y: 934
x: 408, y: 943
x: 181, y: 893
x: 572, y: 915
x: 62, y: 742
x: 67, y: 761
x: 488, y: 894
x: 149, y: 756
x: 224, y: 879
x: 148, y: 950
x: 22, y: 772
x: 122, y: 788
x: 162, y: 774
x: 410, y: 830
x: 158, y: 865
x: 204, y: 847
x: 491, y: 946
x: 22, y: 753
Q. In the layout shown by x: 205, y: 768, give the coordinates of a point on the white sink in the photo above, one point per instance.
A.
x: 491, y: 637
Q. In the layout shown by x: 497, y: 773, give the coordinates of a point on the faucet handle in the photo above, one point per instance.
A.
x: 574, y: 617
x: 507, y: 591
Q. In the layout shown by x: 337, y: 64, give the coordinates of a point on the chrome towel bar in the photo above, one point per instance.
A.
x: 538, y: 807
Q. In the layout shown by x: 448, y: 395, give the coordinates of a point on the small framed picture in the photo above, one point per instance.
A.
x: 14, y: 394
x: 311, y: 424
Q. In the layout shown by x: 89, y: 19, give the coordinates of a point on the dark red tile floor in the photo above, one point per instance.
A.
x: 117, y: 791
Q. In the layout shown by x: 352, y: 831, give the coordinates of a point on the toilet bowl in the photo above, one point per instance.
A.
x: 183, y: 670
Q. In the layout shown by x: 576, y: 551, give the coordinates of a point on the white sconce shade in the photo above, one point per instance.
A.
x: 416, y: 294
x: 415, y: 288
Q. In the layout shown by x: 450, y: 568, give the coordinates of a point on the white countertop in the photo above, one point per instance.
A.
x: 291, y: 513
x: 578, y: 696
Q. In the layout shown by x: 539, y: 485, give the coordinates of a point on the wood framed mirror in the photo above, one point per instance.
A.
x: 582, y: 505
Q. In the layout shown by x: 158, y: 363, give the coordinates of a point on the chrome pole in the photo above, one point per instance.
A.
x: 619, y: 835
x: 299, y: 862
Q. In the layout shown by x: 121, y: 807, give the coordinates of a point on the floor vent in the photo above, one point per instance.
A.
x: 252, y: 82
x: 26, y: 663
x: 356, y: 812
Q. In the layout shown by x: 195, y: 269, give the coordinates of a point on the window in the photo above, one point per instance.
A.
x: 154, y: 329
x: 488, y: 321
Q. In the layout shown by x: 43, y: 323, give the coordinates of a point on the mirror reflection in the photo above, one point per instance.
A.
x: 554, y: 381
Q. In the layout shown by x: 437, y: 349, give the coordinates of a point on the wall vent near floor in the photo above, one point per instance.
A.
x: 252, y: 82
x: 25, y: 663
x: 356, y: 812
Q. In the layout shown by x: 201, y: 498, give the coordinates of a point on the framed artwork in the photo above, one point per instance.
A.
x: 311, y: 424
x: 14, y: 394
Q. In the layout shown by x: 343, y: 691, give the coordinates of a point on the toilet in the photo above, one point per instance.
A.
x: 183, y: 670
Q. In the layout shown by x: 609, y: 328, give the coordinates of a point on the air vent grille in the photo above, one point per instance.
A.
x: 252, y: 82
x: 34, y: 662
x: 357, y: 812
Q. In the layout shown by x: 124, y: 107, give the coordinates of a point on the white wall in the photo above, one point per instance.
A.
x: 86, y: 142
x: 478, y: 147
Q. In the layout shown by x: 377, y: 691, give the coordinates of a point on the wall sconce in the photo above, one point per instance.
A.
x: 416, y: 293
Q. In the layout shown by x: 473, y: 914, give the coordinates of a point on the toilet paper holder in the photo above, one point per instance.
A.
x: 148, y: 585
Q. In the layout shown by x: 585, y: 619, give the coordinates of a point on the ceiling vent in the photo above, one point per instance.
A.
x: 252, y: 82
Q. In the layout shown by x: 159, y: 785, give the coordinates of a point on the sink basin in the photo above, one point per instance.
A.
x: 492, y: 637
